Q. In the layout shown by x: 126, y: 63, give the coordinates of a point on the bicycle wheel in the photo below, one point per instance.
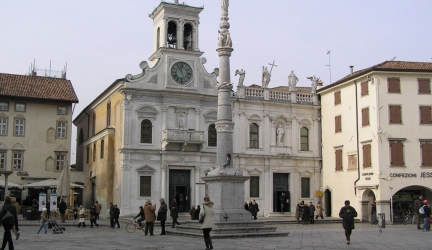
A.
x: 406, y: 220
x: 130, y: 227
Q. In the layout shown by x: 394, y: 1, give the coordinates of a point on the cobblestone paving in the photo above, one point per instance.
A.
x: 318, y: 236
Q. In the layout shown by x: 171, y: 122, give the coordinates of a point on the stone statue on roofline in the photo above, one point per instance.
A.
x: 265, y: 77
x: 292, y: 81
x: 242, y: 75
x: 314, y: 84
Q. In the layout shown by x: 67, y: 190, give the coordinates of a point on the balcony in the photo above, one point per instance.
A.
x: 183, y: 140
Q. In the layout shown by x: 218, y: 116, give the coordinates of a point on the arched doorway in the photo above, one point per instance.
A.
x: 368, y: 198
x: 327, y: 203
x: 403, y: 201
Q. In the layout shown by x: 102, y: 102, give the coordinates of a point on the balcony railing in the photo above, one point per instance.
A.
x: 183, y: 136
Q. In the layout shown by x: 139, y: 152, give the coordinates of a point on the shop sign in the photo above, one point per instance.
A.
x: 365, y: 174
x: 404, y: 175
x: 426, y: 174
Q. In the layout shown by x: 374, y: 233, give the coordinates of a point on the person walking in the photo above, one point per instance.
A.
x: 306, y: 214
x: 43, y: 221
x: 174, y: 212
x: 256, y: 209
x: 373, y: 214
x: 298, y: 213
x: 162, y: 215
x: 142, y: 217
x: 149, y: 213
x: 18, y: 208
x: 347, y: 213
x: 197, y: 212
x: 282, y: 200
x: 417, y: 205
x: 252, y: 210
x: 93, y: 216
x: 111, y: 214
x: 8, y: 223
x: 116, y: 216
x: 98, y: 209
x: 312, y: 213
x: 62, y: 209
x: 426, y: 216
x: 207, y: 212
x: 319, y: 210
x: 192, y: 213
x: 302, y: 204
x: 81, y: 216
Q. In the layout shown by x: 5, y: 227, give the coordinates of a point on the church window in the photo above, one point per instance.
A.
x: 212, y: 136
x: 145, y: 185
x: 305, y: 187
x: 172, y: 35
x: 146, y: 131
x: 253, y: 135
x: 304, y: 139
x: 254, y: 186
x: 108, y: 114
x: 102, y: 149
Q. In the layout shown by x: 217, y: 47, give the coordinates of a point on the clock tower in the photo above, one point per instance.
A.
x: 176, y: 46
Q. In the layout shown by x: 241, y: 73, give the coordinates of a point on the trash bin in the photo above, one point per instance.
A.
x: 381, y: 221
x: 28, y: 214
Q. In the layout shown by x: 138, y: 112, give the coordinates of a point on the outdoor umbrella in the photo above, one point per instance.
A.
x: 64, y: 185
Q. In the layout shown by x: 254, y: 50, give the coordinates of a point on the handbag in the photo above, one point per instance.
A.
x: 201, y: 219
x: 6, y: 216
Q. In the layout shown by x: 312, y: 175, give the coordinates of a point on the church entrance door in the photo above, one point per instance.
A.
x: 280, y: 185
x: 179, y: 181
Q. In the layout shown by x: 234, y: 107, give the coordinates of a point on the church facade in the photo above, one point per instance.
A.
x: 152, y: 135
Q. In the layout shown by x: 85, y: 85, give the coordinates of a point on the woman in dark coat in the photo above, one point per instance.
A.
x: 93, y: 216
x: 8, y: 223
x: 347, y: 213
x: 174, y: 212
x: 252, y: 209
x: 197, y: 212
x: 306, y: 212
x: 246, y: 206
x: 162, y: 214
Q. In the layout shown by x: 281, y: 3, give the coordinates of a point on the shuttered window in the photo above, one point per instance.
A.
x: 425, y: 115
x: 364, y: 88
x: 367, y: 162
x: 426, y: 149
x: 395, y: 112
x: 424, y: 86
x: 365, y: 117
x: 393, y: 85
x: 338, y: 124
x: 338, y: 160
x: 337, y: 97
x: 396, y: 153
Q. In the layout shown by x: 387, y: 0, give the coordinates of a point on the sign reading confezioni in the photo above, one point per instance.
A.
x: 411, y: 175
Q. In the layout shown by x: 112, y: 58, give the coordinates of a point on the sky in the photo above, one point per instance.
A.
x: 104, y: 40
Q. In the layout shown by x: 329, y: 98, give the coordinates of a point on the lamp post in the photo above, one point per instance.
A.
x: 6, y: 174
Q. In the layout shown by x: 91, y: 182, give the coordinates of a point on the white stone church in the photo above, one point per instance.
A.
x: 152, y: 134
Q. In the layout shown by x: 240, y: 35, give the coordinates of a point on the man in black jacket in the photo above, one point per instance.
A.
x: 8, y: 223
x: 62, y: 209
x: 162, y: 214
x: 347, y: 213
x: 417, y: 205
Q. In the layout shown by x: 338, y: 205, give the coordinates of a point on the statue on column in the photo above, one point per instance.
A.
x: 242, y: 75
x: 292, y: 81
x: 265, y: 77
x: 314, y: 85
x: 224, y: 5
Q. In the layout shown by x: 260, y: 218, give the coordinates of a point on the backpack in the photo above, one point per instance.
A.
x: 421, y: 210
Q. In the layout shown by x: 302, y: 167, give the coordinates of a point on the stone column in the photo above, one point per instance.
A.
x: 195, y: 37
x: 180, y: 34
x: 164, y: 34
x: 197, y: 118
x: 163, y: 183
x: 127, y: 131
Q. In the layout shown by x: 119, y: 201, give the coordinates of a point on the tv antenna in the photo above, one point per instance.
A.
x: 394, y: 58
x: 328, y: 53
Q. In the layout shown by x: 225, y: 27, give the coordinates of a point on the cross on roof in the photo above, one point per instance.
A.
x: 272, y: 64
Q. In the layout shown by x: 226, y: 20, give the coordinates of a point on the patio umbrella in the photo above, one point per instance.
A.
x: 64, y: 185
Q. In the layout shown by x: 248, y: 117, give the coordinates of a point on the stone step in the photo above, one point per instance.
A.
x: 233, y: 230
x: 226, y: 236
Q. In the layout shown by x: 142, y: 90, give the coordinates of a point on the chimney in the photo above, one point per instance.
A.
x: 352, y: 69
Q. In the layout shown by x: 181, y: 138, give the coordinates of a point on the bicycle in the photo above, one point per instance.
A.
x: 410, y: 218
x: 132, y: 226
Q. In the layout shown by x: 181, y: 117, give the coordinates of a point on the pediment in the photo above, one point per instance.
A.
x: 18, y: 146
x: 3, y: 146
x: 254, y: 118
x: 147, y: 112
x: 305, y: 122
x: 19, y: 117
x: 61, y: 148
x: 211, y: 116
x: 306, y: 172
x: 255, y: 171
x: 145, y: 170
x: 3, y: 115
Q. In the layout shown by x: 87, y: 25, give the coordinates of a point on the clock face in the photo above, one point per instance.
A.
x: 181, y: 73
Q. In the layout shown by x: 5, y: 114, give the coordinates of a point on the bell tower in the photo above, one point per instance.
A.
x: 175, y: 26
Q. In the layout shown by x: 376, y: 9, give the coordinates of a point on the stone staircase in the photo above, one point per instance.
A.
x: 228, y: 230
